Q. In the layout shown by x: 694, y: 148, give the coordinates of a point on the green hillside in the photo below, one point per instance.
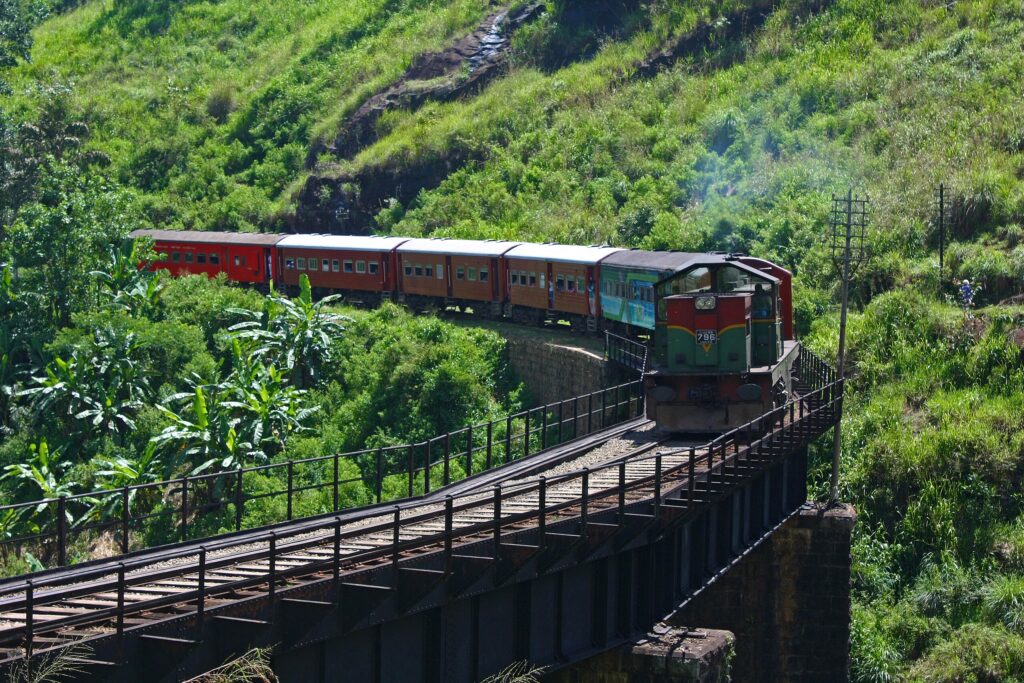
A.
x: 662, y: 124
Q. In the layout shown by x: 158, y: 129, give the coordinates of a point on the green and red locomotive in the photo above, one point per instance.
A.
x: 723, y: 344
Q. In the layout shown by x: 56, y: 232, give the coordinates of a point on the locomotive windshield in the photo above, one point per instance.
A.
x: 723, y: 280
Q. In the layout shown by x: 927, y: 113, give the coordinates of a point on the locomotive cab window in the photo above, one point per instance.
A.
x: 373, y: 267
x: 483, y: 275
x: 360, y: 267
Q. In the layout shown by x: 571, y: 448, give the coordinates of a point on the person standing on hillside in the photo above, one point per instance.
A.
x: 967, y: 296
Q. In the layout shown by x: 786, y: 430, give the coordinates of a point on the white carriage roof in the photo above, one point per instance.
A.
x: 342, y: 242
x: 457, y: 247
x: 561, y: 252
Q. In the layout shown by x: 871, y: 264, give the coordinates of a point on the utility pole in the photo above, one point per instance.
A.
x: 848, y: 228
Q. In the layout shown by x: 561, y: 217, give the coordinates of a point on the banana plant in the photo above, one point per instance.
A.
x: 41, y: 477
x: 119, y: 473
x: 96, y: 391
x: 202, y: 434
x: 295, y: 335
x: 127, y: 283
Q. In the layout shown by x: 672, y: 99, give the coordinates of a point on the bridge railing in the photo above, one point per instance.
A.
x: 139, y: 516
x: 761, y: 441
x: 626, y: 352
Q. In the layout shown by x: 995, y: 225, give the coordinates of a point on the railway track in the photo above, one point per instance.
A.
x: 226, y: 571
x: 196, y: 581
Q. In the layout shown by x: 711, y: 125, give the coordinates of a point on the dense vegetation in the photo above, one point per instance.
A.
x: 203, y: 115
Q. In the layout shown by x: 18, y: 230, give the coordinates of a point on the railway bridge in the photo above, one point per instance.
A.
x: 549, y: 559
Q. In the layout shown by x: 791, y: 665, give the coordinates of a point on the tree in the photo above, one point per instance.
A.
x: 62, y: 235
x: 15, y: 36
x: 126, y: 282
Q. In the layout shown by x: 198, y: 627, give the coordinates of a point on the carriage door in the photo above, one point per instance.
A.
x: 448, y: 275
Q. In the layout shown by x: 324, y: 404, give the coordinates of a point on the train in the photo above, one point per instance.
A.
x: 719, y: 326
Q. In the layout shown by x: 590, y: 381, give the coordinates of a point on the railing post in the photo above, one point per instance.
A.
x: 184, y: 508
x: 272, y: 588
x: 622, y: 492
x: 396, y: 537
x: 604, y: 407
x: 447, y: 456
x: 120, y: 605
x: 380, y: 474
x: 497, y: 520
x: 690, y: 467
x: 412, y: 469
x: 575, y: 416
x: 426, y: 468
x: 542, y: 508
x: 526, y: 436
x: 544, y: 428
x: 125, y: 519
x: 201, y: 604
x: 448, y: 503
x: 490, y: 444
x: 335, y: 483
x: 30, y: 598
x: 508, y: 439
x: 657, y: 484
x: 469, y: 450
x: 239, y: 500
x: 62, y: 531
x: 584, y: 501
x: 337, y: 551
x: 590, y: 412
x: 291, y: 483
x: 561, y: 420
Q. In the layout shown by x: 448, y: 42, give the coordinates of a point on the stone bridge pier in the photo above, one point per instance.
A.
x: 781, y: 614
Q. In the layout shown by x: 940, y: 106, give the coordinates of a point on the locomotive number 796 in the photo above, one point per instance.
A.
x: 707, y: 336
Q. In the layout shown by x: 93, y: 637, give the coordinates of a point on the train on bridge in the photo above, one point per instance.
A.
x: 720, y: 325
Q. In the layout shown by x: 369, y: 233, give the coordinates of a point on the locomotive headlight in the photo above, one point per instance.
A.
x: 705, y: 303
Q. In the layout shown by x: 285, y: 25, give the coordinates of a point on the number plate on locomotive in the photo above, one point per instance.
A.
x: 707, y: 336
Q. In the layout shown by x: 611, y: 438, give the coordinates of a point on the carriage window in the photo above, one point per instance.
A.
x: 408, y: 270
x: 302, y: 263
x: 335, y: 265
x: 472, y: 274
x: 533, y: 279
x: 347, y: 266
x: 542, y: 275
x: 440, y: 271
x: 360, y: 267
x: 314, y: 264
x: 559, y: 284
x: 579, y: 285
x: 483, y: 275
x: 570, y: 284
x: 215, y: 259
x: 200, y: 258
x: 373, y: 267
x: 515, y: 277
x: 325, y: 265
x: 289, y: 264
x: 428, y: 270
x: 239, y: 260
x: 175, y: 256
x: 460, y: 273
x: 419, y: 270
